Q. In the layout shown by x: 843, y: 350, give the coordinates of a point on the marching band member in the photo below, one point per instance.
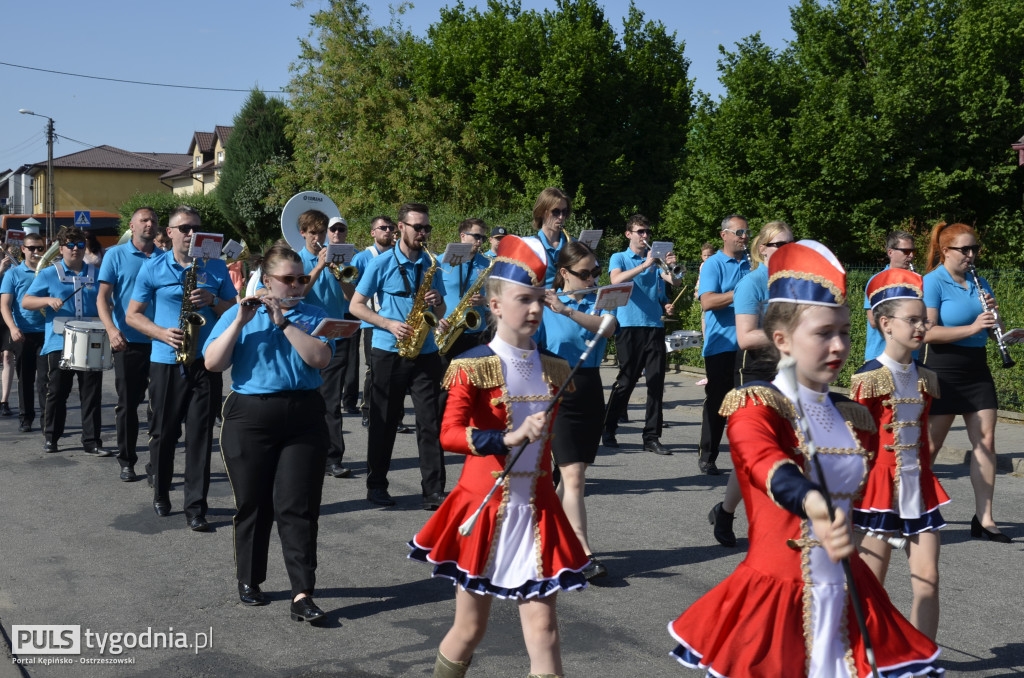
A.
x: 27, y: 330
x: 69, y: 277
x: 955, y: 351
x: 274, y: 437
x: 458, y: 280
x: 180, y: 393
x: 902, y: 495
x: 381, y: 229
x: 784, y: 611
x: 131, y: 348
x: 899, y: 249
x: 567, y: 326
x: 497, y: 233
x: 7, y: 263
x: 523, y: 547
x: 398, y: 277
x: 550, y: 213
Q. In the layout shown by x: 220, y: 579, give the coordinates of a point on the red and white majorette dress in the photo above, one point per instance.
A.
x: 523, y: 545
x: 902, y: 496
x: 785, y: 611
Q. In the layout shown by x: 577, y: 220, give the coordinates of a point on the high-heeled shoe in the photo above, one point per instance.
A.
x: 977, y: 531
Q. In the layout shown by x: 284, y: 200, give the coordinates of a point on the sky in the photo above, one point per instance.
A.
x: 238, y: 44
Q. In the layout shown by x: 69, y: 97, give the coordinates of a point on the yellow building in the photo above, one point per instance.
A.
x: 101, y: 178
x: 206, y: 157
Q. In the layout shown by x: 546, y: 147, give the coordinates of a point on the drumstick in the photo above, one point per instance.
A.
x: 679, y: 295
x: 605, y: 330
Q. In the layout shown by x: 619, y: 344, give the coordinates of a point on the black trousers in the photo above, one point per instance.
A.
x: 31, y: 380
x: 350, y: 379
x: 719, y: 369
x: 392, y: 375
x: 639, y: 349
x: 58, y: 388
x: 274, y: 448
x: 131, y: 379
x: 176, y: 399
x: 365, y: 337
x: 330, y: 391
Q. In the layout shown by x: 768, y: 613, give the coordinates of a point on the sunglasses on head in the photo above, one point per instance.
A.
x: 291, y: 279
x: 586, y: 275
x: 74, y: 245
x: 966, y: 249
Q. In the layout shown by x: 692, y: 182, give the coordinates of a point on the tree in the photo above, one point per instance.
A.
x: 258, y: 136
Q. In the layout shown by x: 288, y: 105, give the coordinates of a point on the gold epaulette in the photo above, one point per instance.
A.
x: 482, y: 372
x: 928, y: 382
x: 555, y: 371
x: 761, y: 395
x: 857, y: 414
x: 873, y: 384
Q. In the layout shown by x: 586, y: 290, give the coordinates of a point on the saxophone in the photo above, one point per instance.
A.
x: 189, y: 321
x: 419, y: 317
x: 463, y: 317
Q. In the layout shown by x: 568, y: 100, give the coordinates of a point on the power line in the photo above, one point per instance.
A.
x: 138, y: 82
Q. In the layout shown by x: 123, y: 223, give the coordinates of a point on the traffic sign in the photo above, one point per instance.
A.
x: 82, y: 218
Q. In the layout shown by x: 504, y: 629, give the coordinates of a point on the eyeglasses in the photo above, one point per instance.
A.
x: 420, y: 228
x: 476, y: 236
x: 642, y: 231
x: 186, y: 228
x: 560, y: 213
x: 778, y: 243
x: 909, y: 251
x: 739, y: 233
x: 966, y: 249
x: 386, y: 227
x: 34, y: 248
x: 586, y: 275
x: 338, y: 229
x: 915, y: 321
x: 73, y: 245
x: 291, y: 279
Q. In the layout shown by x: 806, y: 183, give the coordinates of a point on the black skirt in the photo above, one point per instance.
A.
x: 578, y: 426
x: 965, y: 381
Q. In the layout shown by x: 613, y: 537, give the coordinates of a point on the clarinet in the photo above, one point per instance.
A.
x: 996, y: 331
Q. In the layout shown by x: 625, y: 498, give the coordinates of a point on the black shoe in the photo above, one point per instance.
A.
x: 337, y: 470
x: 379, y: 496
x: 49, y: 446
x: 98, y: 451
x: 977, y: 531
x: 352, y: 410
x: 366, y: 421
x: 402, y: 428
x: 162, y: 507
x: 656, y: 447
x: 251, y: 595
x: 305, y: 610
x: 199, y: 524
x: 708, y: 468
x: 25, y: 427
x: 432, y: 502
x: 608, y: 440
x: 5, y: 410
x: 721, y: 520
x: 595, y: 570
x: 128, y: 474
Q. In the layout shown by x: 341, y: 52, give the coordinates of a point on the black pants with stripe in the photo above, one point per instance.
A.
x: 274, y: 448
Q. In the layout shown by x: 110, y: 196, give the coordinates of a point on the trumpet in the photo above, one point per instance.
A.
x: 344, y: 274
x: 677, y: 271
x: 997, y: 330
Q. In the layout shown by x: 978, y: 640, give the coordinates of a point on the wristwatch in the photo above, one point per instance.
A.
x: 283, y: 325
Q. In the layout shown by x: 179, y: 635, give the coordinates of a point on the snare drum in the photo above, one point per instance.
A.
x: 86, y: 347
x: 681, y: 339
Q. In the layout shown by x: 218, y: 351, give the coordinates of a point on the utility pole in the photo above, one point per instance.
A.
x: 50, y: 200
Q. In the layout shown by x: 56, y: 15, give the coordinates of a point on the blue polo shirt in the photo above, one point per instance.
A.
x: 159, y: 284
x: 326, y: 292
x: 120, y: 268
x: 264, y: 361
x: 565, y: 337
x: 874, y: 342
x: 957, y: 306
x: 645, y: 305
x: 16, y: 284
x: 720, y: 274
x: 458, y: 280
x: 361, y: 260
x: 47, y: 284
x: 551, y: 252
x: 384, y: 275
x: 751, y: 294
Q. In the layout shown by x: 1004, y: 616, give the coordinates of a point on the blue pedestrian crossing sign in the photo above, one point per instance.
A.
x: 82, y: 218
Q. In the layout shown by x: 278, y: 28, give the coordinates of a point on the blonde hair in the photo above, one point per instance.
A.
x: 766, y: 234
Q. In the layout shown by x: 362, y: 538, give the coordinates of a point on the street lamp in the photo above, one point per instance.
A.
x: 49, y: 171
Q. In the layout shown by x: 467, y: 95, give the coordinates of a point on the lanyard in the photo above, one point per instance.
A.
x: 405, y: 278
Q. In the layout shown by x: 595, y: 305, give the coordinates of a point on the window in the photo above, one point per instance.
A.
x: 220, y: 156
x: 199, y: 160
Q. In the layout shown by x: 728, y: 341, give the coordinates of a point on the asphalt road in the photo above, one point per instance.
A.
x: 80, y: 547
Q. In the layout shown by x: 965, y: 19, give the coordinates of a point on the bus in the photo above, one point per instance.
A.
x: 106, y: 226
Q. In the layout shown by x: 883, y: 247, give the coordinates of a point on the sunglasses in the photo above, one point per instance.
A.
x: 421, y: 228
x: 476, y: 236
x: 338, y: 229
x: 34, y: 248
x: 185, y: 228
x: 966, y: 249
x: 778, y: 243
x: 291, y: 279
x: 642, y: 231
x: 739, y: 233
x: 909, y: 251
x: 586, y: 275
x: 560, y: 213
x: 74, y: 245
x: 386, y: 227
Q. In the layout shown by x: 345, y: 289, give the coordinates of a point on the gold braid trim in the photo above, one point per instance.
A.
x: 761, y: 395
x: 806, y: 540
x: 928, y: 382
x: 555, y: 371
x: 857, y: 414
x: 820, y: 280
x: 872, y: 384
x: 469, y: 441
x: 482, y: 372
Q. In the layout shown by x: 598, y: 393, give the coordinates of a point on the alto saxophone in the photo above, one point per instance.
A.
x: 419, y: 317
x: 189, y: 321
x: 463, y: 317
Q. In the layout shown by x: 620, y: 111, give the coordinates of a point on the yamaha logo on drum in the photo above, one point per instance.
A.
x: 314, y: 198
